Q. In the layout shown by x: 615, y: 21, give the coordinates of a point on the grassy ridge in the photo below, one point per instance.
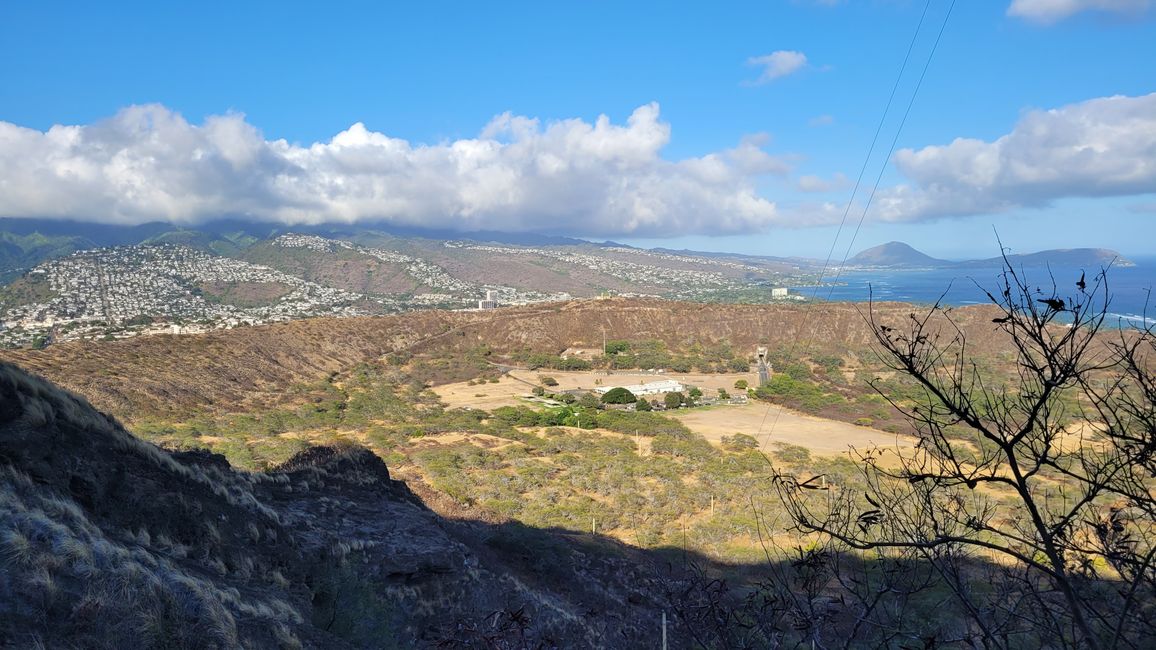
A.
x: 239, y: 369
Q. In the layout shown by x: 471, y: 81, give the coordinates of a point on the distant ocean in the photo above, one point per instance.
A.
x: 1129, y: 287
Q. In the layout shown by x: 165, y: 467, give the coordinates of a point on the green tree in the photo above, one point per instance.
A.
x: 615, y: 347
x: 643, y: 405
x: 741, y: 384
x: 739, y: 365
x: 673, y: 400
x: 570, y: 363
x: 547, y: 381
x: 589, y: 401
x: 619, y: 395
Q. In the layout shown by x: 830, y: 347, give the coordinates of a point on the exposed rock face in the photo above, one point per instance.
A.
x: 108, y: 541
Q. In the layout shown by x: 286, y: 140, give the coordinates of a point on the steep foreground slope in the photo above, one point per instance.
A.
x: 108, y: 541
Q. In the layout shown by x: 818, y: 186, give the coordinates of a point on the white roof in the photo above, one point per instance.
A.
x: 664, y: 386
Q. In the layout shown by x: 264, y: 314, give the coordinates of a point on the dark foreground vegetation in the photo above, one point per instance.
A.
x: 108, y: 541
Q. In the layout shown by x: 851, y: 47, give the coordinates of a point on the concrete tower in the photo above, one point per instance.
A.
x: 764, y: 370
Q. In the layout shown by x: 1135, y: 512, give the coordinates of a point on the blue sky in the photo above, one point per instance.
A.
x: 177, y: 112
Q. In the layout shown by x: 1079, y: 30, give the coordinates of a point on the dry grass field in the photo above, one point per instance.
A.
x: 487, y: 396
x: 770, y: 424
x: 767, y: 423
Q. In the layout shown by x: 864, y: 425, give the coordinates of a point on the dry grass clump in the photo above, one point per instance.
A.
x: 88, y: 557
x: 64, y: 579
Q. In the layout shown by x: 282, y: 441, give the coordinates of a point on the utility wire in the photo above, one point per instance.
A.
x: 878, y: 178
x: 851, y: 199
x: 871, y: 149
x: 891, y: 150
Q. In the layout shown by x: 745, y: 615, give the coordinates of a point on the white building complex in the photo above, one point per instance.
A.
x: 490, y: 301
x: 653, y: 388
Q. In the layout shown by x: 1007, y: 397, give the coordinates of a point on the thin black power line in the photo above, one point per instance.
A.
x: 891, y: 150
x: 854, y: 191
x: 875, y: 187
x: 871, y: 148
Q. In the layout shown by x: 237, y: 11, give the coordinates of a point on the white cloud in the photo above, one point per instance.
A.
x: 148, y: 163
x: 1097, y: 148
x: 821, y: 120
x: 1052, y: 11
x: 778, y: 64
x: 818, y: 184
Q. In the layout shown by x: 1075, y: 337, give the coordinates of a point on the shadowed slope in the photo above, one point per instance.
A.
x: 108, y: 541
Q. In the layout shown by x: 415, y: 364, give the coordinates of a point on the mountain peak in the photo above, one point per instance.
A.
x: 893, y: 253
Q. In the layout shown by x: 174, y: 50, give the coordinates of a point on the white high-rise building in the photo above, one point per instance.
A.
x: 491, y: 300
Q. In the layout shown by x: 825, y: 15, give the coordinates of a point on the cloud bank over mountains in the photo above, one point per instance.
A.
x: 148, y: 163
x: 574, y: 177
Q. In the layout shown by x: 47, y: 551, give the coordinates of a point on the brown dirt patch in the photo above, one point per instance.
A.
x: 245, y: 294
x: 589, y: 379
x: 768, y: 423
x: 482, y: 396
